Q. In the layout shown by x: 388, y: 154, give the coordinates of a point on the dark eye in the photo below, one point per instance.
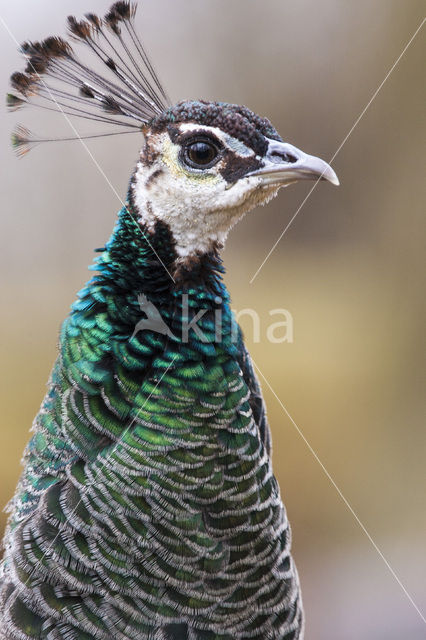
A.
x: 200, y: 154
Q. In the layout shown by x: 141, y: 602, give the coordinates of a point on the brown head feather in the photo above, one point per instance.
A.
x: 14, y: 102
x: 80, y: 29
x: 125, y: 10
x: 22, y: 82
x: 36, y: 64
x: 94, y: 20
x: 31, y: 48
x: 55, y: 47
x: 112, y: 20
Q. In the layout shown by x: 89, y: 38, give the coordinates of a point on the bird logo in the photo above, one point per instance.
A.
x: 153, y: 321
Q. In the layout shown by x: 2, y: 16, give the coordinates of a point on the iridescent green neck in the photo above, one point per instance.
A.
x: 137, y: 262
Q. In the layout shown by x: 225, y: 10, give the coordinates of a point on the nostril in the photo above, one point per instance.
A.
x: 280, y: 156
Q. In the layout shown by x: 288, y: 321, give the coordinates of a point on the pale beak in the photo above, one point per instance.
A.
x: 284, y: 164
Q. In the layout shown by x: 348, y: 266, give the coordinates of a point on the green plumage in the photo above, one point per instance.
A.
x: 147, y: 504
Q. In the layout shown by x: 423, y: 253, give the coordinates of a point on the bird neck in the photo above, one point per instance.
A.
x: 139, y: 265
x: 146, y: 256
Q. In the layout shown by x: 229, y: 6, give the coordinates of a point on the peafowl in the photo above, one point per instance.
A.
x: 147, y: 507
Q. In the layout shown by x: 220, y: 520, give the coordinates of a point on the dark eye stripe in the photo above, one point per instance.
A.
x: 238, y: 167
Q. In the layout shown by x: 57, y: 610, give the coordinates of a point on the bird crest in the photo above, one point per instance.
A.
x: 127, y: 94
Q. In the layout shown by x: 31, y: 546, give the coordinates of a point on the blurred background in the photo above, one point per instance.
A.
x: 349, y: 269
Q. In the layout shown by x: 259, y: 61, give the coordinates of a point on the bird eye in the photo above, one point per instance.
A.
x: 200, y: 154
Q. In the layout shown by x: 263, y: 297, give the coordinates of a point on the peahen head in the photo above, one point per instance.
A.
x: 203, y: 164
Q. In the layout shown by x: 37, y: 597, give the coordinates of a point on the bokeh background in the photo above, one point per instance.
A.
x: 349, y: 269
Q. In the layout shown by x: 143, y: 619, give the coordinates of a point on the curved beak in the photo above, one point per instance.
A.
x: 284, y: 164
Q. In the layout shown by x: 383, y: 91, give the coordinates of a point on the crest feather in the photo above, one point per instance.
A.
x: 128, y: 93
